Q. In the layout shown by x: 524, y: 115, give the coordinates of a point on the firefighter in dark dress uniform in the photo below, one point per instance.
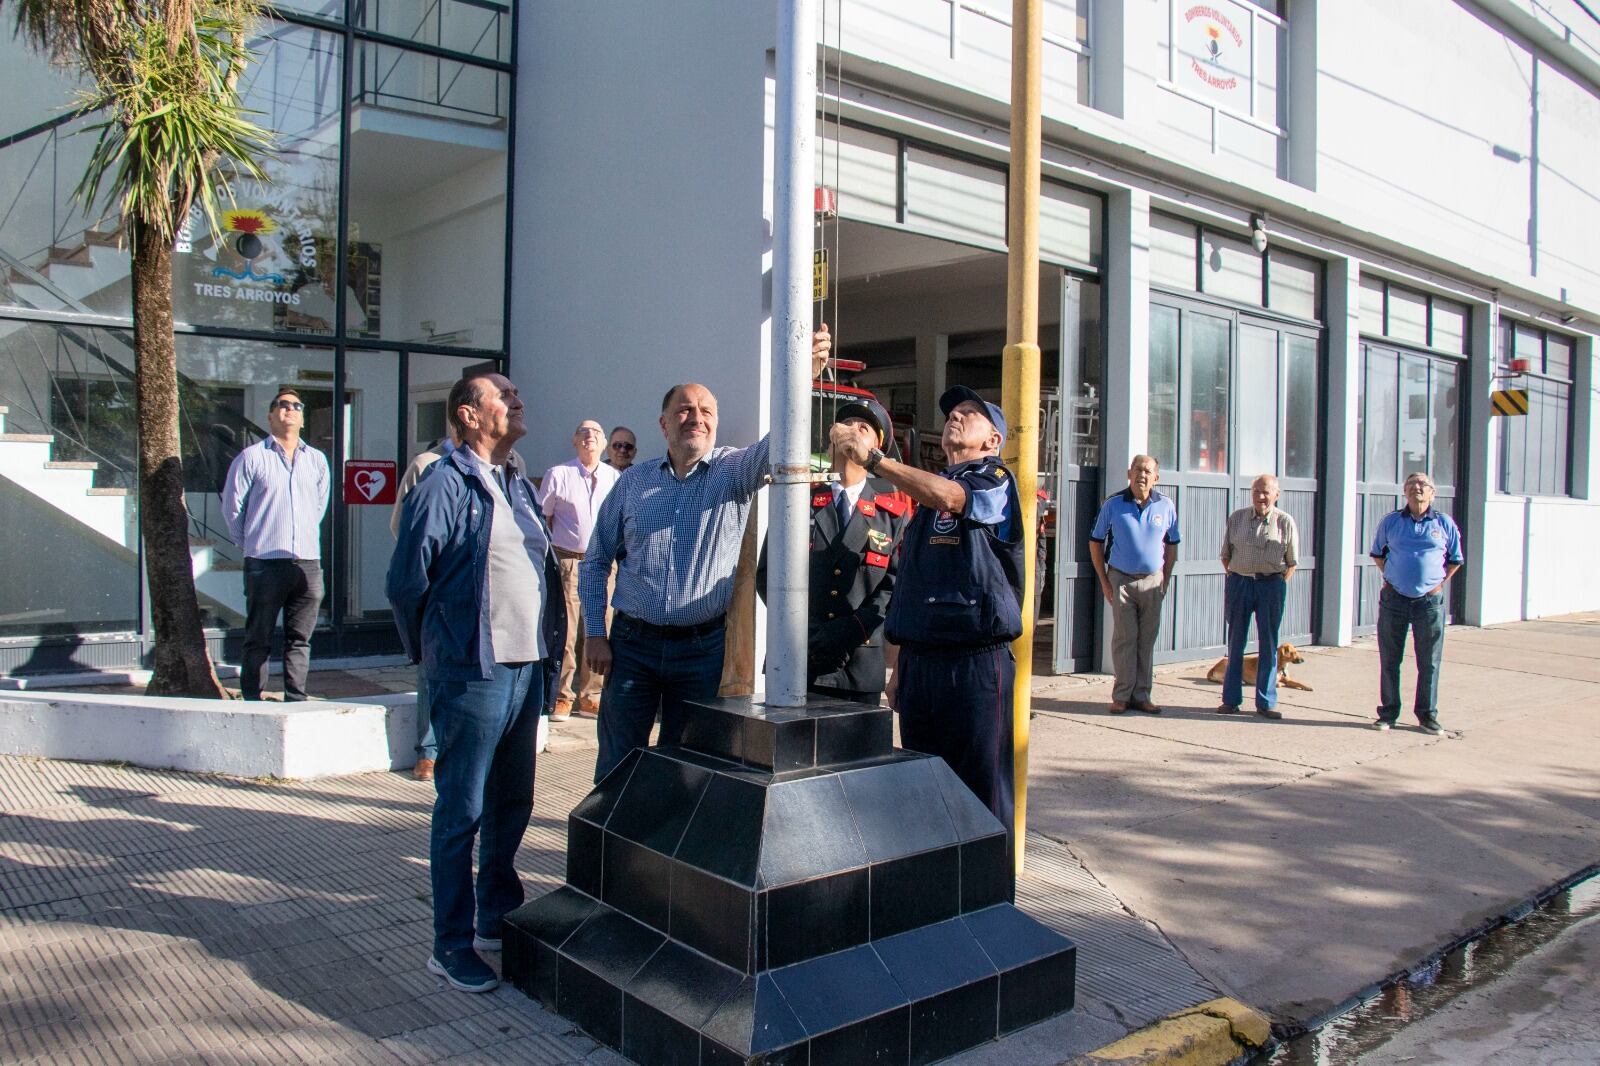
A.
x: 957, y: 598
x: 855, y: 537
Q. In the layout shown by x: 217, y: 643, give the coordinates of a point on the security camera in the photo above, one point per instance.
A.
x: 1258, y: 233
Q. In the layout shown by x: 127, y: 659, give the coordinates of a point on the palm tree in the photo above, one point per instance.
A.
x: 164, y: 74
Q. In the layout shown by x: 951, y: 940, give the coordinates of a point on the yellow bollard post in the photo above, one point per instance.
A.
x: 1019, y: 381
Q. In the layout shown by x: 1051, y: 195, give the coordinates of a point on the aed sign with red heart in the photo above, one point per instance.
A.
x: 369, y: 481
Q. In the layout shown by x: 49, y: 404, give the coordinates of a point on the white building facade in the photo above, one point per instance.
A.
x: 1306, y: 237
x: 1301, y: 237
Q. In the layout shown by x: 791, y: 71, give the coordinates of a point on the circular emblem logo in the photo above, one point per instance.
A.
x: 944, y: 522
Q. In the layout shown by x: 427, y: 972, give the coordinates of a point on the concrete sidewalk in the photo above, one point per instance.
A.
x: 148, y: 916
x: 1295, y: 863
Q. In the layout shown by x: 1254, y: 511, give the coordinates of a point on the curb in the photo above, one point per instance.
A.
x: 1212, y: 1034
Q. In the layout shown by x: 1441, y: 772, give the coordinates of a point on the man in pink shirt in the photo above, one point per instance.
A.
x: 571, y: 494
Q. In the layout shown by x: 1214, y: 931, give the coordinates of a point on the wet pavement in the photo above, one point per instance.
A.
x: 1522, y: 993
x: 1544, y: 1011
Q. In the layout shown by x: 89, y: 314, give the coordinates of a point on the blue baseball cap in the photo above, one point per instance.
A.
x: 959, y: 394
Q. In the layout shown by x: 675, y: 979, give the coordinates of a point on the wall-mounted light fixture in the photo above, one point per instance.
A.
x: 1258, y: 233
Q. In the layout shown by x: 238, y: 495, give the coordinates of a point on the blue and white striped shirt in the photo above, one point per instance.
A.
x: 676, y: 543
x: 274, y: 510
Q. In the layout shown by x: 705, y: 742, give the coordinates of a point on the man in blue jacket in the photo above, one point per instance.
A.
x: 476, y: 592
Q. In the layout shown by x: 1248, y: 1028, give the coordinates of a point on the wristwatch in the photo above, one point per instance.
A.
x: 874, y: 457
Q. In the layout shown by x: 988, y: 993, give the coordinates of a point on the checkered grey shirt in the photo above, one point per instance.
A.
x: 676, y: 543
x: 1268, y: 544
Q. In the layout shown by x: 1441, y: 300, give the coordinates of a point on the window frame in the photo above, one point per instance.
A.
x: 1548, y: 385
x: 1275, y: 23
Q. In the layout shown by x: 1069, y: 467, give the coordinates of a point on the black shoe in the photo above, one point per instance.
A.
x: 1228, y: 708
x: 465, y: 971
x: 1431, y: 726
x: 1269, y: 712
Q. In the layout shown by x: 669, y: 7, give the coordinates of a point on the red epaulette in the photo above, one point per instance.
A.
x: 893, y: 502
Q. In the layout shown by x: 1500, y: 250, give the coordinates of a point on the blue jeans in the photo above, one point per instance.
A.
x: 427, y: 746
x: 484, y: 779
x: 1262, y: 599
x: 1425, y: 617
x: 651, y: 674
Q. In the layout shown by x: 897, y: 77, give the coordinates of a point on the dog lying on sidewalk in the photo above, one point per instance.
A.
x: 1287, y: 653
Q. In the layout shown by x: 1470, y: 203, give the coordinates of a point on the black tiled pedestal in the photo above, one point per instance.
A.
x: 787, y: 887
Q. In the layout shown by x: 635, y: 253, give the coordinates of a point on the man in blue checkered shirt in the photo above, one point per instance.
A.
x: 673, y: 526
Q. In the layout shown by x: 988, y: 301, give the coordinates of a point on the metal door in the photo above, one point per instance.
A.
x: 1409, y: 418
x: 1233, y: 395
x: 1077, y: 482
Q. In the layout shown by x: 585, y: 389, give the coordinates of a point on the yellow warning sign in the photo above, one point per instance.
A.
x: 1509, y: 402
x: 819, y: 274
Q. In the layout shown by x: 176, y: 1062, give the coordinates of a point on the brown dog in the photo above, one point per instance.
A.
x: 1287, y: 653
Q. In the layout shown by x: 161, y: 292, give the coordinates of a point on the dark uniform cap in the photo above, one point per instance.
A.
x: 870, y: 410
x: 958, y: 394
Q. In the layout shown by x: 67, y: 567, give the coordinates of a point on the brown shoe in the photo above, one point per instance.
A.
x: 588, y: 707
x: 1146, y: 706
x: 423, y: 771
x: 563, y: 711
x: 1119, y: 707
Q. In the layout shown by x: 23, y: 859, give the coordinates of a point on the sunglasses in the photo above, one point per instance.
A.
x: 288, y: 405
x: 622, y: 446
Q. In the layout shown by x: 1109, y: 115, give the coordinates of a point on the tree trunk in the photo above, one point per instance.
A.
x: 182, y: 664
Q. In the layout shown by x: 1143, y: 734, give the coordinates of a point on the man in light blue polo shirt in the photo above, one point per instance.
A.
x: 1418, y: 549
x: 1134, y: 545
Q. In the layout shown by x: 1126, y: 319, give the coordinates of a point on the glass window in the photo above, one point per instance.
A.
x: 428, y: 382
x: 1163, y: 439
x: 1258, y: 400
x: 864, y: 168
x: 60, y: 256
x: 1446, y: 415
x: 1408, y: 315
x: 1383, y: 415
x: 73, y: 384
x: 1085, y: 407
x: 372, y: 395
x: 1069, y: 225
x: 1207, y: 343
x: 427, y: 201
x: 1222, y: 55
x: 1372, y: 306
x: 956, y: 197
x: 1554, y: 442
x: 270, y: 265
x: 1294, y: 284
x: 1413, y: 414
x: 1173, y: 253
x: 1230, y: 269
x: 1529, y: 345
x: 479, y: 28
x: 229, y: 384
x: 1302, y: 409
x: 1450, y: 326
x: 1557, y: 356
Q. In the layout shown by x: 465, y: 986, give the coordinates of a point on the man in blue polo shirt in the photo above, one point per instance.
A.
x: 1418, y: 549
x: 1134, y: 545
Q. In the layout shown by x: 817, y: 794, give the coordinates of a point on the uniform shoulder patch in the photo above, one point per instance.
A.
x: 894, y: 503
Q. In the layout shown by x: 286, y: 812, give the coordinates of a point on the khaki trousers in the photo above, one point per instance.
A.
x: 589, y: 682
x: 1135, y: 620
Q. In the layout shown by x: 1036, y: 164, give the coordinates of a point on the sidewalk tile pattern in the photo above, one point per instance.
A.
x: 161, y: 917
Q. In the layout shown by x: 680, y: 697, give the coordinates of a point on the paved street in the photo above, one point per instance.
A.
x: 1544, y: 1012
x: 150, y: 916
